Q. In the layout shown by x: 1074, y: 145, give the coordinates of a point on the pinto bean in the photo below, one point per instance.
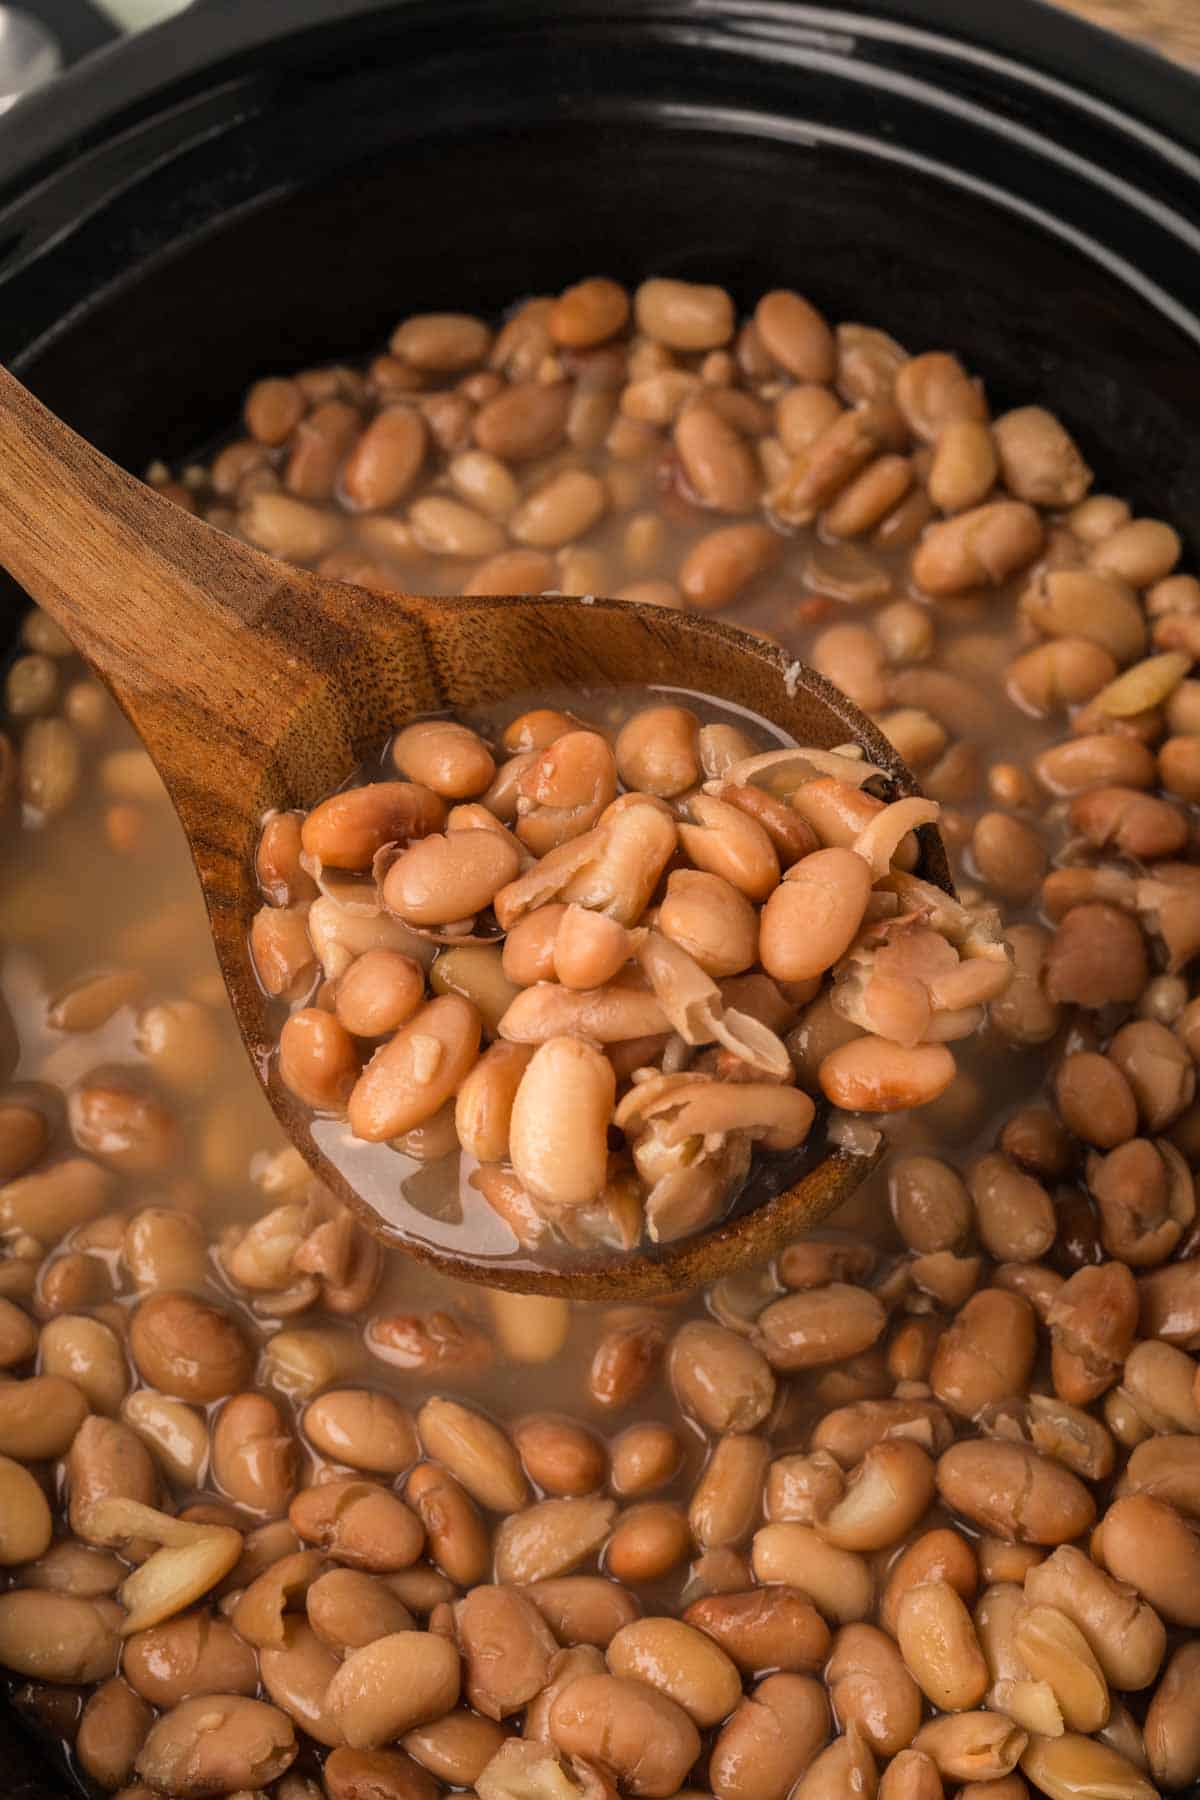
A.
x: 475, y: 1451
x: 418, y: 1070
x: 720, y: 565
x: 979, y: 548
x: 1011, y: 1490
x: 647, y: 1542
x: 719, y: 1377
x: 684, y: 315
x: 645, y: 1738
x: 189, y: 1348
x: 725, y: 1503
x: 458, y: 1540
x: 393, y: 1685
x: 217, y: 1744
x: 838, y: 1582
x: 812, y: 916
x: 506, y: 1646
x: 345, y: 831
x: 1146, y: 1543
x: 359, y: 1524
x: 57, y: 1637
x: 254, y: 1456
x: 1096, y: 958
x: 939, y: 1645
x: 770, y: 1740
x: 939, y: 1557
x: 366, y: 1430
x: 678, y: 1661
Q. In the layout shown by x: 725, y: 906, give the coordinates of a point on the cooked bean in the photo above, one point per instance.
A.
x: 1096, y: 957
x: 718, y: 464
x: 507, y: 1649
x: 25, y: 1525
x: 1171, y: 1733
x: 1054, y: 1650
x: 1146, y: 1543
x: 972, y: 1746
x: 720, y: 565
x: 455, y: 1749
x: 884, y: 1497
x: 217, y: 1745
x: 583, y: 1609
x: 317, y: 1059
x: 58, y: 1637
x: 254, y: 1457
x: 765, y: 1628
x: 870, y: 1687
x: 559, y: 1123
x: 939, y: 1645
x: 644, y: 1737
x: 189, y: 1348
x: 1011, y: 1490
x: 819, y: 1325
x: 346, y: 830
x: 551, y: 1538
x: 89, y: 1353
x: 392, y: 1685
x: 476, y: 1452
x: 930, y: 1203
x: 359, y: 1524
x: 1095, y: 1099
x: 838, y: 1582
x: 417, y: 1070
x: 371, y: 1775
x: 939, y: 1557
x: 1070, y: 1766
x: 720, y: 1378
x: 770, y: 1740
x: 186, y: 1658
x: 872, y: 1074
x: 366, y: 1430
x: 647, y: 1542
x: 1013, y: 1212
x: 982, y: 547
x: 112, y: 1729
x: 680, y: 1662
x: 684, y: 315
x: 560, y: 1457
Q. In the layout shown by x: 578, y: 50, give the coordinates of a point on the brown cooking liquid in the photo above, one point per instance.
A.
x: 108, y: 884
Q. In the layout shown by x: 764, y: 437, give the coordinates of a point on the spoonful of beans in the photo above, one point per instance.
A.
x: 578, y: 944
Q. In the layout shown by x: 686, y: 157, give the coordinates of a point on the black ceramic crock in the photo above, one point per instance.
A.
x: 264, y: 183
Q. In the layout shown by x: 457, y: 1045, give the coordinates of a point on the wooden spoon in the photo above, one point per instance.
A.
x: 256, y: 685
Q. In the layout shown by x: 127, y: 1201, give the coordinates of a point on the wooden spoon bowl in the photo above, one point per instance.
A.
x: 256, y: 685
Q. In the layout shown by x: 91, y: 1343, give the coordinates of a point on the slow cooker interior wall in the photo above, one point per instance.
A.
x: 156, y: 365
x: 158, y: 362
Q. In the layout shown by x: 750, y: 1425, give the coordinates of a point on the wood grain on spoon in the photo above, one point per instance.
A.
x: 257, y: 685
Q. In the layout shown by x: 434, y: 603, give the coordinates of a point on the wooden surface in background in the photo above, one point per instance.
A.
x: 1171, y: 26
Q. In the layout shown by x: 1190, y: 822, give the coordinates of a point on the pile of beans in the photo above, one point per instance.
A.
x: 914, y: 1511
x: 638, y: 937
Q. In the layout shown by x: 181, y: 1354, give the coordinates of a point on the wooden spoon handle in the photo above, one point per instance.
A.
x: 158, y: 602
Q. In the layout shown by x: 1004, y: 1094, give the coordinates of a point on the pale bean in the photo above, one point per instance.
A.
x: 106, y: 1460
x: 770, y: 1740
x: 643, y: 1458
x: 301, y: 1359
x: 583, y: 1609
x: 986, y: 1354
x: 507, y: 1649
x: 380, y: 992
x: 979, y: 548
x: 1172, y: 1730
x: 813, y: 915
x: 345, y: 831
x: 726, y: 1501
x: 359, y: 1524
x: 1039, y: 460
x: 217, y: 1745
x: 939, y: 1645
x: 563, y: 508
x: 1095, y: 1099
x: 720, y: 1378
x: 176, y: 1435
x: 914, y: 1776
x: 641, y: 1735
x: 871, y: 1688
x: 724, y: 841
x: 528, y: 955
x: 455, y: 1749
x: 718, y: 464
x: 560, y: 1457
x: 458, y: 1540
x: 838, y: 1582
x: 112, y: 1728
x: 418, y: 1070
x: 720, y: 565
x: 965, y: 465
x: 678, y: 1661
x: 366, y: 1430
x: 1140, y: 552
x: 39, y: 1417
x: 551, y: 1538
x: 589, y: 949
x: 884, y: 1497
x: 476, y: 1452
x: 58, y: 1637
x: 1054, y: 1650
x: 684, y: 315
x: 1013, y: 1213
x: 1012, y: 1491
x: 1146, y: 1543
x: 254, y: 1457
x: 186, y: 1658
x: 647, y: 1542
x: 939, y: 1557
x: 25, y: 1525
x: 774, y: 1627
x: 972, y: 1746
x: 819, y: 1325
x: 1072, y: 1767
x: 523, y: 421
